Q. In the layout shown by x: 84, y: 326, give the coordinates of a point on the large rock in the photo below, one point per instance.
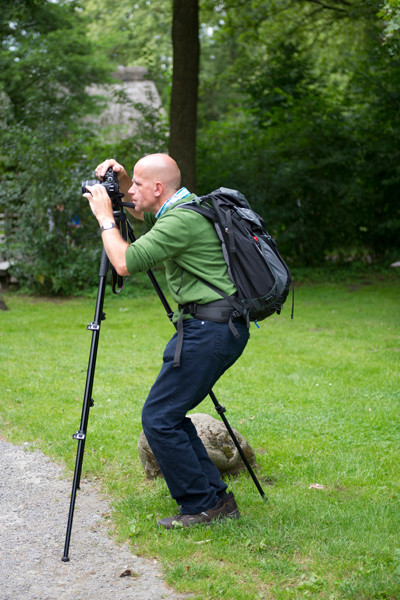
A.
x: 217, y: 442
x: 126, y: 102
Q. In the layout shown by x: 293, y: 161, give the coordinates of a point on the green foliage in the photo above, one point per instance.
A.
x: 48, y: 146
x: 45, y: 61
x: 277, y: 155
x: 56, y: 247
x: 299, y: 109
x: 46, y: 64
x: 376, y: 118
x: 310, y: 133
x: 135, y: 33
x: 390, y: 13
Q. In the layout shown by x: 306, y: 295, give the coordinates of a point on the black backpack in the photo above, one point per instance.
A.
x: 255, y: 266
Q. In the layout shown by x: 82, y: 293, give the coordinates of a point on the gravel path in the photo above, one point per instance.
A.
x: 34, y: 506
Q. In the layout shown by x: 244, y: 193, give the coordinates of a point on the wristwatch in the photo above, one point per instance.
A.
x: 107, y: 225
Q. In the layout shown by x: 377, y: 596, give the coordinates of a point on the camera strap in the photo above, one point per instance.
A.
x: 117, y: 281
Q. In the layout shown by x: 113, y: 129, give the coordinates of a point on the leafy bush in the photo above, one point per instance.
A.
x: 48, y: 146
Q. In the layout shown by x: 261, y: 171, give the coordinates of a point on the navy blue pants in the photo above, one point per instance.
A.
x: 208, y: 350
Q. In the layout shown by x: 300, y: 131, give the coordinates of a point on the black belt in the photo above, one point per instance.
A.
x: 219, y: 311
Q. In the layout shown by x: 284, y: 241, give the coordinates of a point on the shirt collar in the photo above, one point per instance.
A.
x: 179, y: 195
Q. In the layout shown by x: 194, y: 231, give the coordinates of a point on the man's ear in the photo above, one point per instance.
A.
x: 158, y: 189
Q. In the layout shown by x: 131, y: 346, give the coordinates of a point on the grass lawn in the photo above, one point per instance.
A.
x: 317, y: 398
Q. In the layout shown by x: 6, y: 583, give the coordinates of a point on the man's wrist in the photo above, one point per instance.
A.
x: 125, y: 182
x: 107, y: 224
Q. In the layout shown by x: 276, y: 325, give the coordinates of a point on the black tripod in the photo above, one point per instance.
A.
x: 127, y: 232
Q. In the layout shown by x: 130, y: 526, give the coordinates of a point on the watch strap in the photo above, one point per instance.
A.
x: 108, y: 225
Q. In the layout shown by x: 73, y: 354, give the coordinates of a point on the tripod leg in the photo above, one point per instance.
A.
x: 80, y: 435
x: 220, y: 409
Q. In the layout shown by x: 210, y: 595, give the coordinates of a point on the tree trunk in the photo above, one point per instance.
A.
x: 185, y: 79
x: 3, y: 305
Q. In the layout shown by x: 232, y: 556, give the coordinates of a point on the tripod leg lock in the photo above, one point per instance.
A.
x: 93, y: 327
x: 79, y: 435
x: 220, y: 409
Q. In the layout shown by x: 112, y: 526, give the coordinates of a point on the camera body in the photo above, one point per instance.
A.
x: 111, y: 183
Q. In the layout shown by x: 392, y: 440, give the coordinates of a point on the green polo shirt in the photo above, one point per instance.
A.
x: 187, y: 244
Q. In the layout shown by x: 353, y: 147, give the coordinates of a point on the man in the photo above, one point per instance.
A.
x: 194, y: 359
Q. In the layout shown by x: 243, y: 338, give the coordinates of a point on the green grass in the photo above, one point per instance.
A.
x: 317, y: 398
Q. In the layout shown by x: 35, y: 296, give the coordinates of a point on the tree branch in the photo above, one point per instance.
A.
x: 331, y: 6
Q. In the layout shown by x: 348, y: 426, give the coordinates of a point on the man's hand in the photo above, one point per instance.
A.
x: 125, y: 181
x: 100, y: 203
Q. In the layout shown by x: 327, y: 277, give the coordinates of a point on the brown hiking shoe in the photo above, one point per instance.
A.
x: 230, y: 507
x: 224, y: 509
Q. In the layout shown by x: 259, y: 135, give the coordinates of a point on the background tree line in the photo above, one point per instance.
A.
x: 296, y: 104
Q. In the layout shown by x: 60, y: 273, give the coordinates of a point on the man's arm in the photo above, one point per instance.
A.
x: 114, y: 245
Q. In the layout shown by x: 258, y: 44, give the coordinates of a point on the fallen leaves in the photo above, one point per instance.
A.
x: 316, y: 486
x: 130, y: 573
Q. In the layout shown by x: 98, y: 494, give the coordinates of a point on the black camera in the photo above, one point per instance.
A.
x: 110, y: 182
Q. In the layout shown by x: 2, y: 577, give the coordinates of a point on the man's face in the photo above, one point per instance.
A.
x: 143, y: 191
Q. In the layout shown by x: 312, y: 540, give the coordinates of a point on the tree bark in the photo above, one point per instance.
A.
x: 3, y: 305
x: 185, y: 80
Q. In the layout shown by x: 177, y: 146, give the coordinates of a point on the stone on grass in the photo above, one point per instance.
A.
x: 217, y: 441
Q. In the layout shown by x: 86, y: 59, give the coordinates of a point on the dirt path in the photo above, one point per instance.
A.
x: 34, y: 505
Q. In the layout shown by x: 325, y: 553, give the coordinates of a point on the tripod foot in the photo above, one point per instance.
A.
x: 65, y: 559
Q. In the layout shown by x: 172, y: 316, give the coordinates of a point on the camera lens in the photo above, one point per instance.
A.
x: 86, y: 183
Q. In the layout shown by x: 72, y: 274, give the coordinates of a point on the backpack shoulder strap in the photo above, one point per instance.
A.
x: 203, y: 209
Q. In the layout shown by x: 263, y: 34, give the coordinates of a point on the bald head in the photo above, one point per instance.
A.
x: 160, y: 168
x: 156, y: 177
